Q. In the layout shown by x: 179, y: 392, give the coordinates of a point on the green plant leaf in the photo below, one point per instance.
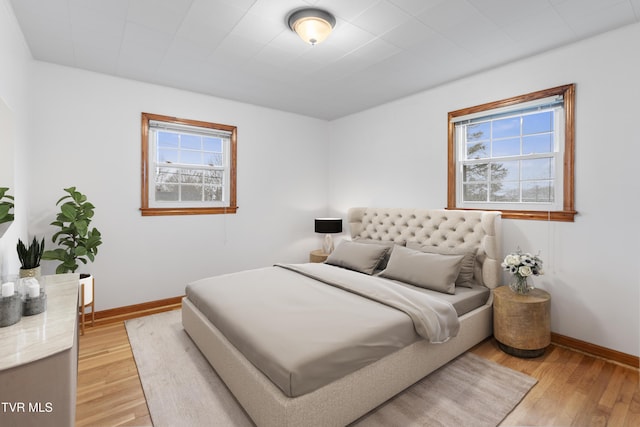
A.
x: 61, y: 199
x: 69, y: 211
x: 30, y: 256
x: 6, y: 205
x: 82, y: 227
x: 4, y: 195
x: 78, y: 197
x: 55, y: 254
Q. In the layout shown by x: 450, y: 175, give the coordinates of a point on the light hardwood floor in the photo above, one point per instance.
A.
x: 573, y: 389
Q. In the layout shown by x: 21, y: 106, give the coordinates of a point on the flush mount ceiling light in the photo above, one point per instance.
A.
x: 312, y: 25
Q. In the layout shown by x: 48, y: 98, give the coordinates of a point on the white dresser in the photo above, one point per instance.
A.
x: 39, y: 360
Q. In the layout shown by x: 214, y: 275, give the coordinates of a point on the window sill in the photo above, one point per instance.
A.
x: 563, y: 216
x: 187, y: 211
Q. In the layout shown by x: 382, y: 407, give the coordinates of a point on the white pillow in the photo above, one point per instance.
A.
x: 431, y: 271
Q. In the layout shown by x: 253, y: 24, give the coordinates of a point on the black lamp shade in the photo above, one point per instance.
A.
x: 328, y: 225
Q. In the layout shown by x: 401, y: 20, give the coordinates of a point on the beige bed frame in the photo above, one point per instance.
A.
x: 345, y: 400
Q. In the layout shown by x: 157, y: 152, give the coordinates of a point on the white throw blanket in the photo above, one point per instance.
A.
x: 434, y: 319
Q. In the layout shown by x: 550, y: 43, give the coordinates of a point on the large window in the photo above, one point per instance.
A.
x: 515, y: 155
x: 188, y: 166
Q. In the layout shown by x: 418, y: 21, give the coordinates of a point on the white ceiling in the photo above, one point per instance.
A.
x: 243, y: 50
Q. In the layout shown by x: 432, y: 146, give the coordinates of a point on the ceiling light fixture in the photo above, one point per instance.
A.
x: 312, y: 25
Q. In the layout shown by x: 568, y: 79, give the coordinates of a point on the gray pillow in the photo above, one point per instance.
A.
x: 387, y: 243
x: 362, y: 257
x: 431, y: 271
x: 467, y: 267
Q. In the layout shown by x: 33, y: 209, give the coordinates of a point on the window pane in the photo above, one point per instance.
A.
x: 191, y: 176
x: 477, y: 150
x: 167, y: 156
x: 213, y: 194
x: 191, y: 193
x: 537, y: 169
x: 167, y: 192
x: 506, y: 147
x: 167, y: 175
x: 213, y: 159
x: 212, y: 144
x: 475, y: 172
x: 474, y: 192
x: 191, y: 157
x: 478, y: 131
x: 506, y: 127
x: 213, y: 178
x: 537, y: 123
x: 537, y: 144
x: 537, y: 191
x: 505, y: 171
x: 193, y: 142
x: 504, y: 192
x: 167, y: 140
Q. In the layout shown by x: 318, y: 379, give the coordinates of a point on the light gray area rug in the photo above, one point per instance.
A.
x: 182, y: 389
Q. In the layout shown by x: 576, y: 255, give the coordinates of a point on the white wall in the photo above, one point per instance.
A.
x: 396, y: 155
x: 14, y: 62
x: 86, y: 133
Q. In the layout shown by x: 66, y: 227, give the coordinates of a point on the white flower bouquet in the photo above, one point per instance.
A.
x: 522, y: 266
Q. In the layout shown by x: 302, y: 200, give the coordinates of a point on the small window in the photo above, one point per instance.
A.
x: 515, y: 155
x: 188, y: 166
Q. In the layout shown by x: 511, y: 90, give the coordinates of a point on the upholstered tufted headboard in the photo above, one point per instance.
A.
x: 479, y: 230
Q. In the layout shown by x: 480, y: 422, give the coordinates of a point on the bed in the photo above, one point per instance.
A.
x: 239, y: 344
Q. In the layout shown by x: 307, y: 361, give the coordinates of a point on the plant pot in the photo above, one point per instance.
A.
x: 10, y: 310
x: 34, y: 296
x: 30, y: 272
x: 87, y: 281
x: 36, y: 305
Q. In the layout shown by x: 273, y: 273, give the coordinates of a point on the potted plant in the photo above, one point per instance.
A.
x: 30, y: 257
x: 78, y: 242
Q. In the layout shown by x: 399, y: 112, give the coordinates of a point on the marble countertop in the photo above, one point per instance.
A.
x: 39, y: 336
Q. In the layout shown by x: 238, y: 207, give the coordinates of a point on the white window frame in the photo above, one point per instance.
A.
x: 152, y: 124
x: 560, y: 100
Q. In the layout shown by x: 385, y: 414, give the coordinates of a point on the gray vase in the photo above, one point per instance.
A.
x: 10, y: 310
x: 37, y: 305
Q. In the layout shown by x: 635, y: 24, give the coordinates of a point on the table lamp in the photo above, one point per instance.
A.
x: 328, y: 226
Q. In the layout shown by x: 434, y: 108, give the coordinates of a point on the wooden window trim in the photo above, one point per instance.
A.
x: 568, y: 211
x: 149, y: 211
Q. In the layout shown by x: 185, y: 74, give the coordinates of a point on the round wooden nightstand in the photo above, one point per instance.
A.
x: 317, y: 256
x: 521, y: 323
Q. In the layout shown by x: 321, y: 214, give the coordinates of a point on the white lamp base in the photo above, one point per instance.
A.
x: 327, y: 245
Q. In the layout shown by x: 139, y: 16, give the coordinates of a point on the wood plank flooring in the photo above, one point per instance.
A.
x: 573, y: 389
x: 109, y: 389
